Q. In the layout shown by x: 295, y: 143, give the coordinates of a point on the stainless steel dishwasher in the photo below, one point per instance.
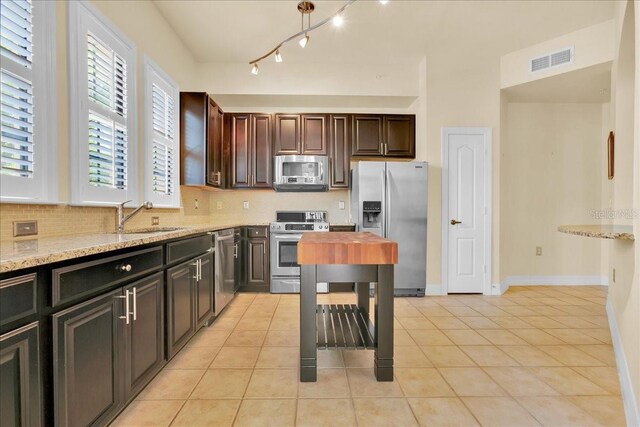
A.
x: 226, y: 254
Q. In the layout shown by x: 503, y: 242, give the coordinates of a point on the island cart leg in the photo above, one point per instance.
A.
x: 308, y: 332
x: 362, y: 289
x: 383, y: 358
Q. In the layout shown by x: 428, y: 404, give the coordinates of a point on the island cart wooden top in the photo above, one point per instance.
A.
x: 346, y: 248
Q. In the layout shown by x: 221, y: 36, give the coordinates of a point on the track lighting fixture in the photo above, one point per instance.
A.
x: 305, y: 8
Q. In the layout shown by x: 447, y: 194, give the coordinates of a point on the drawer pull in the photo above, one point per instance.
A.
x: 125, y: 267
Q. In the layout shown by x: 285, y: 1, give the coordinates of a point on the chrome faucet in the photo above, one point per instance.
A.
x: 121, y: 218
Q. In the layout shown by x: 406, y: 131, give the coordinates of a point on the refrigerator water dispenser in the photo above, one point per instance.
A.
x: 371, y: 214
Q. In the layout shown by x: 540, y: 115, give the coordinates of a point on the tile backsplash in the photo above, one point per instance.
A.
x: 213, y: 207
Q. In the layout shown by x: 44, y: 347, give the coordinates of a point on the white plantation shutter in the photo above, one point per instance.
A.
x: 27, y: 87
x: 17, y: 31
x: 162, y: 186
x: 103, y: 110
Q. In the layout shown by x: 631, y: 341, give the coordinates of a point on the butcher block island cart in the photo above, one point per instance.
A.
x: 362, y: 258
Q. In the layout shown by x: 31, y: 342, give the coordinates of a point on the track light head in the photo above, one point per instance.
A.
x: 384, y: 1
x: 303, y: 41
x: 278, y: 56
x: 254, y: 69
x: 338, y: 20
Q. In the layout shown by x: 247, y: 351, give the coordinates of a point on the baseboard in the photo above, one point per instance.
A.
x: 628, y: 396
x: 434, y: 289
x: 553, y: 280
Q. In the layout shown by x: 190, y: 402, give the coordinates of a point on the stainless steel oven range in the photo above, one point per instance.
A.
x: 286, y: 232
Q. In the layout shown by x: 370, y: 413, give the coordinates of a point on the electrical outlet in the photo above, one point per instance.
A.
x: 219, y: 205
x: 341, y: 204
x: 195, y: 204
x: 538, y: 250
x: 155, y: 220
x: 25, y: 228
x: 245, y: 204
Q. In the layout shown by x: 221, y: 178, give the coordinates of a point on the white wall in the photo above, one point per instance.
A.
x: 551, y: 175
x: 592, y: 45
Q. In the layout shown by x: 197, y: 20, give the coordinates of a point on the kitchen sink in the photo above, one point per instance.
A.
x: 150, y: 230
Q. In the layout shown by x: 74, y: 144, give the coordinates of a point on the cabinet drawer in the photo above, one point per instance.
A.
x: 188, y: 248
x: 17, y: 298
x: 73, y: 282
x: 256, y: 232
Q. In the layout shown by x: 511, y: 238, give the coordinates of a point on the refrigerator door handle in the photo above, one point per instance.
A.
x: 383, y: 190
x: 387, y: 205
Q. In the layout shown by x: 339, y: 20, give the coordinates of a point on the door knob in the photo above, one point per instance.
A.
x: 454, y: 222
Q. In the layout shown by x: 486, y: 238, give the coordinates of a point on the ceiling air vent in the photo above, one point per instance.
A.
x: 551, y: 60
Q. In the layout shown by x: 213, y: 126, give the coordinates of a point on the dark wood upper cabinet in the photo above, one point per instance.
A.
x: 215, y: 146
x: 339, y: 131
x: 399, y: 136
x: 201, y: 140
x: 250, y: 142
x: 366, y: 135
x: 314, y: 134
x: 239, y: 146
x: 376, y: 135
x: 287, y: 134
x: 261, y: 137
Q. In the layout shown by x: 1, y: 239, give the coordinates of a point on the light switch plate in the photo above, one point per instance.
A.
x: 245, y: 204
x: 341, y: 204
x: 219, y: 205
x: 25, y: 228
x: 155, y: 220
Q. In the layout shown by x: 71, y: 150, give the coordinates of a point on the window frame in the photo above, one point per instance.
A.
x: 84, y: 18
x: 42, y: 187
x: 153, y: 74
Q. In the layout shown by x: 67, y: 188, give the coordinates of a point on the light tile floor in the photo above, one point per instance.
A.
x: 533, y: 356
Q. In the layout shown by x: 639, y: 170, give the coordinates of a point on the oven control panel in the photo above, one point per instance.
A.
x: 289, y: 227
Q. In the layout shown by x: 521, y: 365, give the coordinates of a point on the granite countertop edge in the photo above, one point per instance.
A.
x: 618, y: 232
x: 61, y: 248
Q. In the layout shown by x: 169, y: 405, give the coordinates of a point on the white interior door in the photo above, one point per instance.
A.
x: 467, y: 172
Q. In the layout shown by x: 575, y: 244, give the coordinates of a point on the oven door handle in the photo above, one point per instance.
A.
x: 287, y: 236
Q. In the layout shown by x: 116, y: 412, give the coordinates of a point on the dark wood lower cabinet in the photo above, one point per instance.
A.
x: 86, y: 354
x: 144, y: 335
x: 256, y: 275
x: 102, y: 356
x: 181, y: 294
x: 190, y: 300
x: 20, y: 390
x: 205, y: 289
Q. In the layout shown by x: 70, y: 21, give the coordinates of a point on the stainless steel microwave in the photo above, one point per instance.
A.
x: 301, y: 173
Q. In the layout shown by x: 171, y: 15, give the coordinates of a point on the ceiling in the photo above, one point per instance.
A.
x: 400, y: 32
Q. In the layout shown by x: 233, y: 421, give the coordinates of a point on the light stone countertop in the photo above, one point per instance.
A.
x: 19, y: 254
x: 620, y: 232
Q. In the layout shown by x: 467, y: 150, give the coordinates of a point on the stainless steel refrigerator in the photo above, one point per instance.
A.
x: 390, y: 199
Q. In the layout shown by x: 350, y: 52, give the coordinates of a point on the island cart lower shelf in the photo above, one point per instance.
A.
x: 344, y: 326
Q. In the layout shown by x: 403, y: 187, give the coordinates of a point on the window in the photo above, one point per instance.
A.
x: 102, y: 69
x: 28, y: 132
x: 161, y: 126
